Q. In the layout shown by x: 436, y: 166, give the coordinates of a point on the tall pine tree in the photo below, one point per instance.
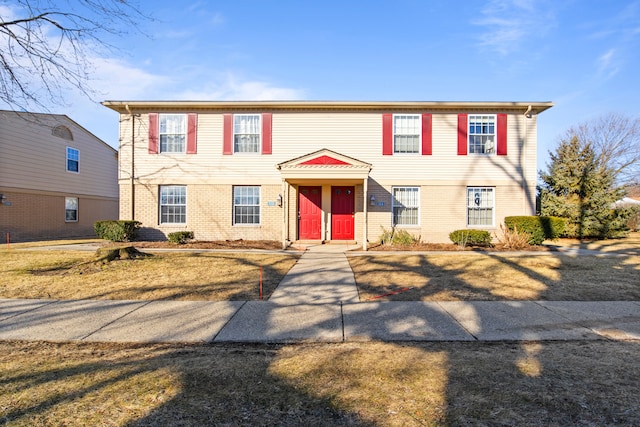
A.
x: 580, y: 187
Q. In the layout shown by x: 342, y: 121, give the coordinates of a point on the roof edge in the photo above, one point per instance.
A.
x: 126, y: 106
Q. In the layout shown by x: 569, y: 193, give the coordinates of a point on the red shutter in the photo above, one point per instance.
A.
x: 387, y: 134
x: 502, y: 134
x: 192, y: 133
x: 426, y: 135
x: 266, y: 133
x: 153, y: 133
x: 227, y: 144
x: 462, y: 134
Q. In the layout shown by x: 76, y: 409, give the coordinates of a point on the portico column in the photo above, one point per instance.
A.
x: 366, y: 214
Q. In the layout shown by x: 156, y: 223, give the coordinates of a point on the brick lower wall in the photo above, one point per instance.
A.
x: 41, y: 215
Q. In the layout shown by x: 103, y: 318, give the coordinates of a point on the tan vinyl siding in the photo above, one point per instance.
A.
x: 442, y: 177
x: 34, y: 159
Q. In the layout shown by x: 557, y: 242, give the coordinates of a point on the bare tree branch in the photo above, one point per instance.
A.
x: 46, y: 47
x: 615, y: 139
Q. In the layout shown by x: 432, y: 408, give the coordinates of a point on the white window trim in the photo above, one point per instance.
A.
x: 186, y: 200
x: 493, y: 208
x: 233, y: 135
x: 419, y: 151
x: 66, y: 159
x: 233, y: 207
x: 77, y: 209
x: 495, y: 135
x: 393, y: 206
x: 186, y: 131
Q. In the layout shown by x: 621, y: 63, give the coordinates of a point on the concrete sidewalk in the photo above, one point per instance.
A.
x: 316, y: 302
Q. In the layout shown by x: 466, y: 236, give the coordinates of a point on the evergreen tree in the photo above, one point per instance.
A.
x: 581, y: 188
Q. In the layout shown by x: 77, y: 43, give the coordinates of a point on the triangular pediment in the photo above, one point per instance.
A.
x: 324, y: 157
x: 324, y: 163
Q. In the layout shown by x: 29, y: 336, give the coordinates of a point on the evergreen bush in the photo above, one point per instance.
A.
x: 180, y: 237
x: 540, y: 228
x: 470, y: 237
x: 117, y: 231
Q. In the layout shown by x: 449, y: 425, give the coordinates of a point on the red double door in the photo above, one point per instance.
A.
x: 310, y: 213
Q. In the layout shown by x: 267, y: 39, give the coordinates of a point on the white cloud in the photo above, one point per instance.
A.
x: 509, y: 23
x: 230, y: 88
x: 608, y: 65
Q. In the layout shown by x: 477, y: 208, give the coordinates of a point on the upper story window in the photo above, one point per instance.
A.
x: 482, y: 134
x: 172, y: 133
x: 73, y: 160
x: 246, y: 133
x: 406, y: 133
x: 406, y: 205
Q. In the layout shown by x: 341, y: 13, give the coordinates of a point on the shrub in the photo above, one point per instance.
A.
x: 470, y: 237
x: 397, y: 237
x: 512, y: 239
x: 180, y: 237
x: 117, y: 231
x: 540, y: 228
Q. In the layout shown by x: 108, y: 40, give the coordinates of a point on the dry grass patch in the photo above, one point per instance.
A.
x: 629, y: 245
x: 177, y: 276
x: 497, y: 277
x: 386, y: 384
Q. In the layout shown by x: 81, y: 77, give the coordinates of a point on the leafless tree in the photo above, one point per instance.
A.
x: 47, y: 46
x: 615, y: 139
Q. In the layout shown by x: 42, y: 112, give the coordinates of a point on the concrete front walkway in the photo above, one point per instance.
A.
x: 316, y: 302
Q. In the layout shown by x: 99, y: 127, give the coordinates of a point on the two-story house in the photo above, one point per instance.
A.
x: 325, y: 171
x: 56, y: 178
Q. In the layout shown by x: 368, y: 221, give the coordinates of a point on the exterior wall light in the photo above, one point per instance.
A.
x: 372, y: 200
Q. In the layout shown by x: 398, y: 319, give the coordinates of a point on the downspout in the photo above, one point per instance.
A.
x: 133, y: 158
x: 527, y: 115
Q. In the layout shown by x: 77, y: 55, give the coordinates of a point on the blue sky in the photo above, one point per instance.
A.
x: 583, y: 55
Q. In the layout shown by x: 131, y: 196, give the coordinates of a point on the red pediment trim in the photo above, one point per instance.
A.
x: 324, y: 160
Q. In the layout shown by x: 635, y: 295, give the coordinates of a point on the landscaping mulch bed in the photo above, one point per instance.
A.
x: 217, y: 244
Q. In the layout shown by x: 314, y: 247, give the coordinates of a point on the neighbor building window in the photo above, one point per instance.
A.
x: 246, y: 205
x: 480, y: 206
x: 172, y: 133
x: 246, y: 133
x: 482, y: 134
x: 406, y: 205
x: 406, y: 133
x: 73, y: 160
x: 71, y: 209
x: 173, y: 204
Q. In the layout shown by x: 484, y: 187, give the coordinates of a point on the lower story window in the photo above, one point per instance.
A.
x: 406, y: 203
x: 173, y: 204
x: 71, y: 209
x: 246, y: 205
x: 480, y: 206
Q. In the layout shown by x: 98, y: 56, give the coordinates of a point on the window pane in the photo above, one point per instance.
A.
x: 70, y: 209
x: 480, y: 205
x: 73, y: 159
x: 406, y: 130
x: 246, y: 205
x: 406, y: 203
x: 246, y: 133
x: 173, y: 204
x: 172, y: 133
x: 482, y: 134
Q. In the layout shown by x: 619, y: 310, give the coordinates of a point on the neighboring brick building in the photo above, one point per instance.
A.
x: 56, y: 178
x: 325, y: 171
